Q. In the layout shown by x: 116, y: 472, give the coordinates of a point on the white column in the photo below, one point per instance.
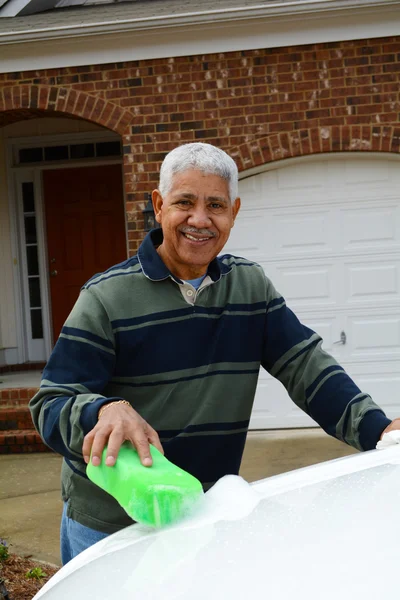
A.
x: 8, y: 333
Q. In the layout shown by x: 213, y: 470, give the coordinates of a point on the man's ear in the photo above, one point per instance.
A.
x: 235, y: 209
x: 158, y: 201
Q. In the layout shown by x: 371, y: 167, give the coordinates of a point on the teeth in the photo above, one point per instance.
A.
x: 190, y: 237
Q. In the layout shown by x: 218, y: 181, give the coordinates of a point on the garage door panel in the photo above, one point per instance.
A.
x: 373, y: 282
x: 301, y: 233
x: 306, y: 284
x: 251, y: 193
x: 325, y: 181
x: 366, y: 172
x: 299, y: 177
x: 370, y: 227
x: 372, y: 336
x: 248, y: 237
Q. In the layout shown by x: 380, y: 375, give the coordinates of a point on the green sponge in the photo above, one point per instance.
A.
x: 157, y: 495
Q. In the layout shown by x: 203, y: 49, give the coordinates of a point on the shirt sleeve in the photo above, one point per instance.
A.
x: 66, y: 406
x: 315, y: 381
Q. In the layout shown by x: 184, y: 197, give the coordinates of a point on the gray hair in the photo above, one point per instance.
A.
x: 202, y: 157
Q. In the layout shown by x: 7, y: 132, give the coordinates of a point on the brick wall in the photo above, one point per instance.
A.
x: 260, y: 105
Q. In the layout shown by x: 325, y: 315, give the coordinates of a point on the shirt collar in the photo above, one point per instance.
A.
x: 154, y: 268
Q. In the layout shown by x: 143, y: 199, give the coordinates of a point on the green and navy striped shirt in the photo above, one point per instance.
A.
x: 188, y: 362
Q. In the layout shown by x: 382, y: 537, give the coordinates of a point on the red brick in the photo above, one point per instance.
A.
x: 306, y: 146
x: 43, y: 97
x: 296, y: 100
x: 80, y: 104
x: 19, y: 438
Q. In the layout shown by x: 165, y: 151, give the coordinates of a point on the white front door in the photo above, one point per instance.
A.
x: 327, y: 232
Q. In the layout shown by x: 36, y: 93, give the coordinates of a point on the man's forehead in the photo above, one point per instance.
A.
x: 184, y: 180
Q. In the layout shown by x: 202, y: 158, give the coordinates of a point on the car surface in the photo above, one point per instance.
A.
x: 323, y: 532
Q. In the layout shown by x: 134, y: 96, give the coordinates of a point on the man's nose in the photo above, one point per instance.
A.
x: 199, y: 217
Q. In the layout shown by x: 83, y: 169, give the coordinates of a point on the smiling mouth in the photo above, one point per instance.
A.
x: 192, y: 238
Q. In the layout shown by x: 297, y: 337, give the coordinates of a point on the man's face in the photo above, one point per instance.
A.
x: 196, y: 216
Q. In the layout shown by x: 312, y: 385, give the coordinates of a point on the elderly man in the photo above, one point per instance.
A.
x: 165, y: 348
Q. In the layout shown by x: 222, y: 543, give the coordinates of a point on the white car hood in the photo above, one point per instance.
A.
x: 322, y: 532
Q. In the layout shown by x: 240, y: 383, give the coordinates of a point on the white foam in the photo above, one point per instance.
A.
x: 230, y: 499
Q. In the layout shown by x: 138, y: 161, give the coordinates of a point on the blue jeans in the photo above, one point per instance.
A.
x: 75, y: 538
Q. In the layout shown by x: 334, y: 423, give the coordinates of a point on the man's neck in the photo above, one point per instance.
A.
x: 184, y: 272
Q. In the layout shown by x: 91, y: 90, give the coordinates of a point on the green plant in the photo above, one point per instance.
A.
x: 3, y: 550
x: 36, y: 573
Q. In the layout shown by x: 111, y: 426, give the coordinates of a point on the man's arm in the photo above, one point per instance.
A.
x: 66, y: 407
x: 315, y: 381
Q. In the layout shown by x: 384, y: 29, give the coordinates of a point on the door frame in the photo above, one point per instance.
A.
x: 16, y: 175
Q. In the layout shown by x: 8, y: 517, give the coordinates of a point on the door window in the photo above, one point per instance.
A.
x: 31, y: 272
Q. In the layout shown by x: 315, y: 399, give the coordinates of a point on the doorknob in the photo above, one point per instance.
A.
x: 53, y: 273
x: 343, y: 338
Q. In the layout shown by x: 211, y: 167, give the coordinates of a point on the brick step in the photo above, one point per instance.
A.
x: 15, y: 417
x: 17, y: 442
x: 16, y: 396
x: 14, y: 403
x: 17, y: 433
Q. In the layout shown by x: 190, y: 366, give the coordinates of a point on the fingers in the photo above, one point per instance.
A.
x: 99, y: 441
x: 141, y: 442
x: 116, y: 426
x: 153, y: 438
x: 115, y: 442
x: 87, y: 445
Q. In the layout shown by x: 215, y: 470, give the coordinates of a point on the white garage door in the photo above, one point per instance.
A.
x: 327, y: 233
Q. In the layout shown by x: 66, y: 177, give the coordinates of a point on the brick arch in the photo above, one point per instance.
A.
x: 304, y: 142
x: 67, y: 101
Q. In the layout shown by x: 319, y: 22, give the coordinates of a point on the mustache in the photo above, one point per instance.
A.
x: 199, y: 231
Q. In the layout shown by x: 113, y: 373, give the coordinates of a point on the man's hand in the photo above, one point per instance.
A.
x: 117, y: 424
x: 395, y: 424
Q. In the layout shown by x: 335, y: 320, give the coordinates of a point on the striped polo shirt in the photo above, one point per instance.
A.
x: 188, y: 361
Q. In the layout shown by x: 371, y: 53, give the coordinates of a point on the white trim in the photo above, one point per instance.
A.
x: 43, y: 263
x: 15, y: 247
x: 221, y: 15
x: 16, y: 144
x: 32, y: 347
x: 70, y: 164
x: 85, y: 137
x: 90, y: 45
x: 280, y: 164
x: 13, y: 8
x: 33, y: 172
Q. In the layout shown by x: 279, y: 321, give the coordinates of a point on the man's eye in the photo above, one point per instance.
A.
x: 184, y: 202
x: 215, y: 205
